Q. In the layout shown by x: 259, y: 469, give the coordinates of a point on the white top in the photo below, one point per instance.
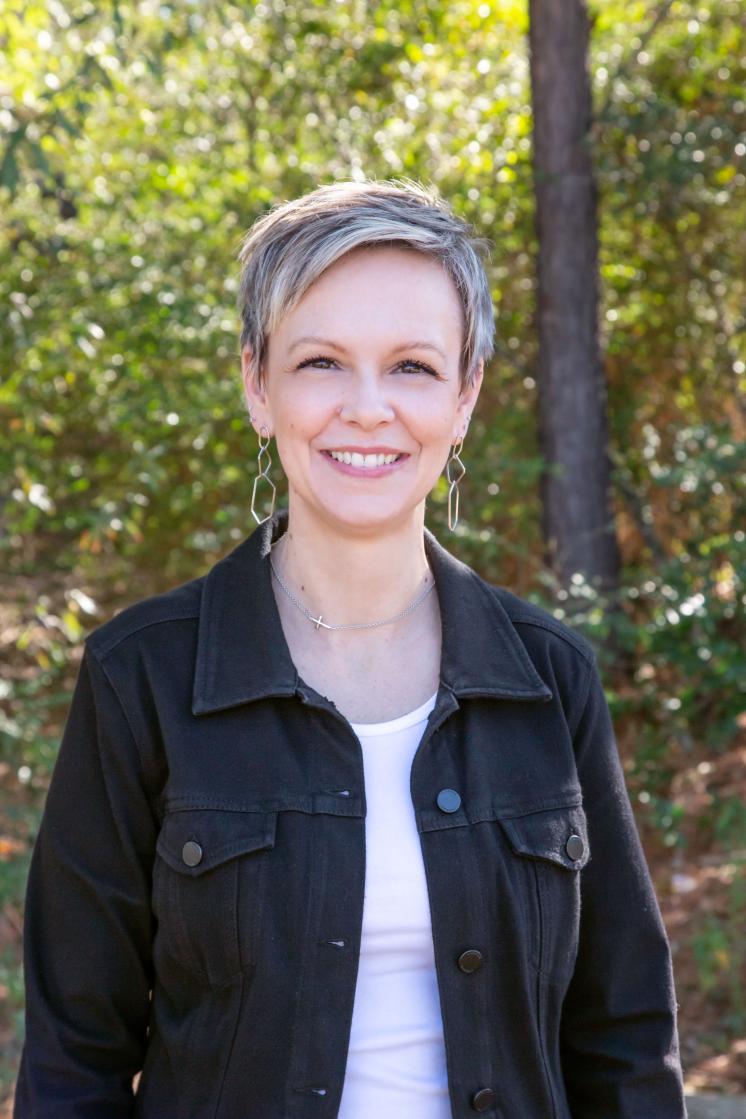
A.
x: 396, y: 1063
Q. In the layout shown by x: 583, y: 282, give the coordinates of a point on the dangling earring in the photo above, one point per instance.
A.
x: 460, y: 470
x: 262, y: 473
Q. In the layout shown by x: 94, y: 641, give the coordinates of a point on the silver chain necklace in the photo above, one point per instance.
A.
x: 349, y: 625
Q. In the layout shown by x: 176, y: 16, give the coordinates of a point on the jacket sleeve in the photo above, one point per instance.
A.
x: 619, y: 1039
x: 87, y: 927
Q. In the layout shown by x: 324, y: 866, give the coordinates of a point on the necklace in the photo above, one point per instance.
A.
x: 350, y: 625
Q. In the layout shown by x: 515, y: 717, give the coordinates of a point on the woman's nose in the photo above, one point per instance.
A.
x: 367, y: 400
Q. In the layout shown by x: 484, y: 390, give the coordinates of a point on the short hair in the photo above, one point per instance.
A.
x: 289, y: 247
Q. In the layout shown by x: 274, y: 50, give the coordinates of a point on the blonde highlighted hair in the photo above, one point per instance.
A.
x: 289, y: 247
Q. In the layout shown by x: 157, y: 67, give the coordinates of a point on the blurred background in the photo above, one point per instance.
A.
x: 601, y: 149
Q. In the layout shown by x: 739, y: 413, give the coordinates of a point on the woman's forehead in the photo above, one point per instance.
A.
x: 371, y: 262
x: 386, y: 291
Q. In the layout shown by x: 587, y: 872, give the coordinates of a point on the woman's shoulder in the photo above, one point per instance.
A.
x: 536, y: 623
x: 150, y: 615
x: 564, y: 658
x: 536, y: 626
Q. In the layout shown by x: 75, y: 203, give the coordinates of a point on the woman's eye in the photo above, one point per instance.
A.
x: 316, y: 361
x: 420, y: 367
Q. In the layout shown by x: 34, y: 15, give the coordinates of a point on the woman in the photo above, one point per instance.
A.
x: 319, y: 841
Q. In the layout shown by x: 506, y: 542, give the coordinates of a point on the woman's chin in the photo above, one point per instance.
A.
x: 365, y: 516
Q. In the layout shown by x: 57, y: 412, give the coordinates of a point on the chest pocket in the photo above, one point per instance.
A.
x: 208, y: 889
x: 552, y: 847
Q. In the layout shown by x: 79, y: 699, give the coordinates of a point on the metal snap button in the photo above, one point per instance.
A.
x: 483, y: 1099
x: 191, y: 853
x: 448, y: 800
x: 470, y: 960
x: 575, y: 847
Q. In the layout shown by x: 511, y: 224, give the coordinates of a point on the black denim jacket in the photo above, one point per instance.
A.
x: 195, y: 898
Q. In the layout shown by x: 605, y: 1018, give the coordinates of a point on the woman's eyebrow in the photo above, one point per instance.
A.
x: 414, y: 345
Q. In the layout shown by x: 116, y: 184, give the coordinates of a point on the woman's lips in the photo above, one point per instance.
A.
x: 365, y: 471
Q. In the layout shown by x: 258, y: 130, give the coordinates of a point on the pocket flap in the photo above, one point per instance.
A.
x: 558, y: 834
x: 195, y: 840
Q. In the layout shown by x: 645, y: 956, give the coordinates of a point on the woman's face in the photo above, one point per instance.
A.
x: 367, y: 363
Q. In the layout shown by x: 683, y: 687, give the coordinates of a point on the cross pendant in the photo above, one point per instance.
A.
x: 317, y: 621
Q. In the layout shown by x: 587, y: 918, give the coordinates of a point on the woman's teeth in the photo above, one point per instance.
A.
x: 355, y: 459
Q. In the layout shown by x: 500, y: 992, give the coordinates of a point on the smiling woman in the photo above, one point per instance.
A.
x: 339, y: 829
x: 373, y: 393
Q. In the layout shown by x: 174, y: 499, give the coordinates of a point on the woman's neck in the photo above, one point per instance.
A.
x: 347, y: 577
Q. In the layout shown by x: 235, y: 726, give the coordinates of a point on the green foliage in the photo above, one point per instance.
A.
x: 11, y: 1014
x: 165, y: 133
x: 33, y: 701
x: 720, y: 953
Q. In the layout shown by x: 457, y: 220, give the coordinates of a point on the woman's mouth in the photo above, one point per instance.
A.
x: 370, y: 465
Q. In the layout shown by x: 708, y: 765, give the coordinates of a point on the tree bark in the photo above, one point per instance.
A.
x: 578, y: 522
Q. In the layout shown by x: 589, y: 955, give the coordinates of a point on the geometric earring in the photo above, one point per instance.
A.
x: 459, y: 470
x: 263, y: 473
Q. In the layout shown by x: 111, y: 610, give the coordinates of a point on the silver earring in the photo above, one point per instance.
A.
x: 460, y: 470
x: 263, y: 473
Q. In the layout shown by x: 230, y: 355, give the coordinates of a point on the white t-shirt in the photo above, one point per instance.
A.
x: 396, y: 1062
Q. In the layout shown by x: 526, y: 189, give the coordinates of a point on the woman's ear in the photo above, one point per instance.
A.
x: 255, y: 392
x: 466, y: 403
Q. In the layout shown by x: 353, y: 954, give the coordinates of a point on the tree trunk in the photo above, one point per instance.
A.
x: 578, y: 521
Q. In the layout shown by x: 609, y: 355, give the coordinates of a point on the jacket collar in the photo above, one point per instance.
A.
x: 242, y: 654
